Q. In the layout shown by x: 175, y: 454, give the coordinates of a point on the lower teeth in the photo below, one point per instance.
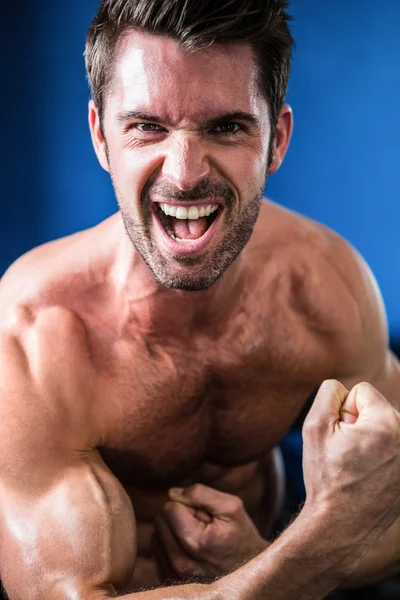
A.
x: 170, y: 233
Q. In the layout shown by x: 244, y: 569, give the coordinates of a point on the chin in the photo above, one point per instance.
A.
x: 187, y: 283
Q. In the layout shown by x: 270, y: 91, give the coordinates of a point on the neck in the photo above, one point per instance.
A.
x: 154, y: 309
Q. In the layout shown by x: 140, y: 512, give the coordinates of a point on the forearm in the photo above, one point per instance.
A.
x: 303, y: 563
x: 380, y: 562
x: 181, y: 592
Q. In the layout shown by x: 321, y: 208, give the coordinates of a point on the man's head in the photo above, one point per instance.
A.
x: 187, y: 112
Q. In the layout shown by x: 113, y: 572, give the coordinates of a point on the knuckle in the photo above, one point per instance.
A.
x: 311, y: 426
x: 329, y: 384
x: 194, y: 544
x: 390, y: 429
x: 182, y: 566
x: 195, y: 489
x: 385, y: 438
x: 200, y: 545
x: 236, y: 505
x: 364, y: 384
x: 169, y: 507
x: 331, y: 387
x: 365, y: 388
x: 204, y: 543
x: 370, y: 393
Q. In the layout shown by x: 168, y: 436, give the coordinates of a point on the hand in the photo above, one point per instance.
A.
x: 203, y: 533
x: 352, y: 463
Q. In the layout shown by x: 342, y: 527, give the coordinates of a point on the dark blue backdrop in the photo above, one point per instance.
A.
x: 341, y: 168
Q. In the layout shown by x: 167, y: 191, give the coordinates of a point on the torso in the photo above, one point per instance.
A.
x: 196, y: 410
x: 207, y: 406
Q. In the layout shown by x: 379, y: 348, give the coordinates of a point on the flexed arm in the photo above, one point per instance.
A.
x: 351, y: 463
x: 67, y: 528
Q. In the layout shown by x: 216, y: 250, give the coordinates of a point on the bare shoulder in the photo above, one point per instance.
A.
x: 43, y: 275
x: 43, y: 342
x: 47, y: 371
x: 328, y: 283
x: 36, y: 325
x: 33, y: 314
x: 58, y: 271
x: 46, y: 383
x: 46, y: 389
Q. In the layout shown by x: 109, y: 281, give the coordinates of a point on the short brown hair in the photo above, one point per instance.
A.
x: 196, y: 24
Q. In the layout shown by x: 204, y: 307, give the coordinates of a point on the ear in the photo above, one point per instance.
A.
x: 99, y: 143
x: 282, y: 137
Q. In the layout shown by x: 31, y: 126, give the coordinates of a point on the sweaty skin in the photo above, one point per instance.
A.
x: 115, y: 388
x: 113, y: 411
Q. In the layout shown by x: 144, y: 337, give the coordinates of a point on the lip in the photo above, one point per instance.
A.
x: 192, y: 247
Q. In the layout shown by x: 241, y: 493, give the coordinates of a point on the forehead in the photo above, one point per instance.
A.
x: 151, y: 72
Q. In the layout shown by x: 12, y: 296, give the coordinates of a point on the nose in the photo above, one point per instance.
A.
x: 186, y: 163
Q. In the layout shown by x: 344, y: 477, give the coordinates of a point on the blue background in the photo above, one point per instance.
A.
x: 341, y: 168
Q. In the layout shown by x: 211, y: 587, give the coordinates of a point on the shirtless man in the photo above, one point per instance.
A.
x: 163, y: 349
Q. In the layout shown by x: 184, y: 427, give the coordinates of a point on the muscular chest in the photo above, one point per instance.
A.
x: 169, y: 409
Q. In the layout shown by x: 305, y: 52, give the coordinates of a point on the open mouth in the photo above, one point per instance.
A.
x: 187, y: 223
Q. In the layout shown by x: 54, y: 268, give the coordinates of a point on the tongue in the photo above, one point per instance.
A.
x: 187, y: 229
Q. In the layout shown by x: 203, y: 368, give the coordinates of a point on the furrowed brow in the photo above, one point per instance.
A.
x: 236, y: 115
x: 128, y: 115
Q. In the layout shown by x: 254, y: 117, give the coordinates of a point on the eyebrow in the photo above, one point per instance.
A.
x: 236, y: 115
x: 128, y: 115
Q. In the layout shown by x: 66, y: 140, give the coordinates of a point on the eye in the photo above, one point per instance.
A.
x: 227, y: 128
x: 147, y: 127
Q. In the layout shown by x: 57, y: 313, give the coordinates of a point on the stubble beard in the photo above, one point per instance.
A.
x: 202, y: 271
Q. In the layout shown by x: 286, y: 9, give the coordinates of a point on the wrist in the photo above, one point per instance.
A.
x: 318, y: 533
x: 347, y: 533
x: 307, y: 561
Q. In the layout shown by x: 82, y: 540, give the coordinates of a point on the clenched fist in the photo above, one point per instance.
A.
x: 351, y: 465
x: 352, y: 475
x: 203, y: 533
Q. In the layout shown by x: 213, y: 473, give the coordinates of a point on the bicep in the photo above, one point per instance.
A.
x: 77, y: 537
x: 66, y: 523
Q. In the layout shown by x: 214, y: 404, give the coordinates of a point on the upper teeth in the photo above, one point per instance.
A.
x: 180, y: 212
